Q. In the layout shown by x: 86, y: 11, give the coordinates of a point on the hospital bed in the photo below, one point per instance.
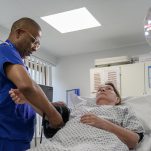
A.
x: 141, y: 105
x: 142, y: 108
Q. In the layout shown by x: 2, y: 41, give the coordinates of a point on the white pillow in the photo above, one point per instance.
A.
x: 74, y: 100
x: 127, y: 98
x: 142, y: 107
x: 145, y: 144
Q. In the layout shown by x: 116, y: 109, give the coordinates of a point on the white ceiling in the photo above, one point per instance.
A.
x: 122, y: 23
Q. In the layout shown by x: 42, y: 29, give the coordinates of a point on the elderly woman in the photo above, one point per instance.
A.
x: 102, y: 125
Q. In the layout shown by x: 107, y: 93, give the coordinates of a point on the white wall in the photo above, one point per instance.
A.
x: 73, y: 71
x: 4, y: 32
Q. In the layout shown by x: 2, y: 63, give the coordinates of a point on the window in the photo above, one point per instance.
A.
x: 39, y: 71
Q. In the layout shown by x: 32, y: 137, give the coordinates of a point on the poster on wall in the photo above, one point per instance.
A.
x: 71, y: 97
x: 99, y: 76
x: 149, y: 76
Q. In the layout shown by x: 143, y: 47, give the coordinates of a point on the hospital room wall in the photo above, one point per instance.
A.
x: 74, y: 71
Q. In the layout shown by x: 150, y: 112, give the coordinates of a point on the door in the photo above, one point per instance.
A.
x: 132, y: 79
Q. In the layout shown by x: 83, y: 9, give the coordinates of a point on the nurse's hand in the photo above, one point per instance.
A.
x: 17, y: 96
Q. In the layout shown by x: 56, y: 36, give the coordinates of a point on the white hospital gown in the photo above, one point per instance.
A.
x: 76, y: 136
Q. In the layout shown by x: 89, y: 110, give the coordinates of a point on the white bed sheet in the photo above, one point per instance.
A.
x: 145, y: 145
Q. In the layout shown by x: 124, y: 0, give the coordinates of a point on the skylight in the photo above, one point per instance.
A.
x: 74, y: 20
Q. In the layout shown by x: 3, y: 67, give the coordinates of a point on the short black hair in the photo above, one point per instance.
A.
x: 25, y: 22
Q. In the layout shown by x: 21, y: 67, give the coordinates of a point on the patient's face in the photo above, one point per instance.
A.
x: 106, y: 96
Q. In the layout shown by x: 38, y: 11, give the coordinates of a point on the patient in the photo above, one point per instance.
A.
x: 104, y: 125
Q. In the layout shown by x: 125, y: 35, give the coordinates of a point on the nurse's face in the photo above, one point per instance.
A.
x: 28, y: 41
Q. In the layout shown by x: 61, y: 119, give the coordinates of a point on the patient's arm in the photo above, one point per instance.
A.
x: 128, y: 137
x: 19, y: 98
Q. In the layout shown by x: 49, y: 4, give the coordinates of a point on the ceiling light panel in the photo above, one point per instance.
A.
x: 74, y: 20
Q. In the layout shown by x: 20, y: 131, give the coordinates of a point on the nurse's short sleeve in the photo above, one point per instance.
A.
x: 4, y: 60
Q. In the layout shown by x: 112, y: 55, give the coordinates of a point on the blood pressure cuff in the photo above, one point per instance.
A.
x: 49, y: 131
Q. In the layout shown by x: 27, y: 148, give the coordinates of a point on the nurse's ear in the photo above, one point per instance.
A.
x: 19, y: 32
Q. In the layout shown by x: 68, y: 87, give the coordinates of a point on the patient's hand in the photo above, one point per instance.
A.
x: 17, y: 96
x: 93, y: 120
